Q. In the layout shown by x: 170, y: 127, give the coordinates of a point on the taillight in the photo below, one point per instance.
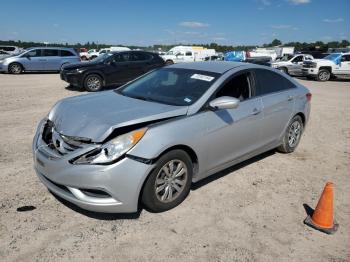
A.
x: 308, y: 96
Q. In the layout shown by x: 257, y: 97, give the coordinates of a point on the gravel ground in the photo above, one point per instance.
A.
x: 250, y: 212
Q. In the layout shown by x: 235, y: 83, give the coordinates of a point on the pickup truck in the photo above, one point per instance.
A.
x: 292, y: 64
x: 86, y: 55
x: 333, y: 65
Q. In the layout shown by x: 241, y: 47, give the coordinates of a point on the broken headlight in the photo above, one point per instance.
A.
x: 111, y: 151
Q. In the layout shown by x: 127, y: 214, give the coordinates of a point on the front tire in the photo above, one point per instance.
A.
x: 15, y: 68
x: 169, y: 183
x: 323, y: 75
x: 292, y: 135
x: 93, y: 83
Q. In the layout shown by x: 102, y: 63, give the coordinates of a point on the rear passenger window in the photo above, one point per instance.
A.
x: 140, y: 57
x: 50, y: 52
x: 188, y: 53
x: 66, y: 53
x: 269, y: 82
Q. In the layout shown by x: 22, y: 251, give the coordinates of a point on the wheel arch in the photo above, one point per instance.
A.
x: 192, y: 154
x: 15, y: 62
x: 169, y: 60
x: 100, y: 74
x: 302, y: 116
x: 329, y: 68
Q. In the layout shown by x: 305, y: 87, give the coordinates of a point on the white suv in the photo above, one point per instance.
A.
x: 336, y: 64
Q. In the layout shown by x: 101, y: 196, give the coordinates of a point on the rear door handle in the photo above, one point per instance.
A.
x: 256, y: 111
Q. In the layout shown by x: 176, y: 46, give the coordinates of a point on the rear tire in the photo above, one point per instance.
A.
x: 93, y: 83
x: 15, y: 68
x: 169, y: 183
x: 323, y: 75
x: 292, y: 135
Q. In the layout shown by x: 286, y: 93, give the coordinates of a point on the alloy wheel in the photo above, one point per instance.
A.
x: 324, y: 76
x: 294, y: 134
x: 15, y: 69
x: 93, y: 83
x: 171, y: 180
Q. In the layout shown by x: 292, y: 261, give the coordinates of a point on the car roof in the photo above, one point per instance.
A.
x: 210, y: 66
x: 52, y: 47
x: 133, y: 51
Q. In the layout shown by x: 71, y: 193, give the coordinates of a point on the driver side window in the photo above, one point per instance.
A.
x: 34, y: 53
x: 238, y: 87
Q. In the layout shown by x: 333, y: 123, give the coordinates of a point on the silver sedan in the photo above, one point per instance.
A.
x: 147, y: 141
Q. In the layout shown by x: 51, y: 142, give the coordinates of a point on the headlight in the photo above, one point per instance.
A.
x: 111, y: 151
x: 313, y: 65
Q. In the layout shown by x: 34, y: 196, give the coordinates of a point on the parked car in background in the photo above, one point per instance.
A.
x: 12, y: 50
x: 218, y: 57
x: 315, y: 54
x: 240, y: 56
x: 3, y: 54
x: 185, y: 54
x: 84, y: 56
x: 149, y: 140
x: 335, y: 64
x: 82, y: 50
x: 93, y: 55
x: 291, y: 64
x: 112, y: 68
x: 39, y: 59
x: 262, y: 52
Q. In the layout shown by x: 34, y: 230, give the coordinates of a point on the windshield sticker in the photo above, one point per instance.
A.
x: 202, y: 77
x: 187, y: 100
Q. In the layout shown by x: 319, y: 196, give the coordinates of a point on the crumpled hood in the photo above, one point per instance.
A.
x: 95, y: 116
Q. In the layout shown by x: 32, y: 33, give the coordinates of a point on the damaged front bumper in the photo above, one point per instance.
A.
x: 111, y: 188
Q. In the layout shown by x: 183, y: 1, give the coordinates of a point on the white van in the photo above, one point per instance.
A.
x: 12, y: 50
x: 179, y: 54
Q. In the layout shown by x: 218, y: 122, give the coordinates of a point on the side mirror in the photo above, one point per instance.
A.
x: 224, y: 102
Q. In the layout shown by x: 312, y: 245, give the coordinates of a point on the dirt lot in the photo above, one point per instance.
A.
x: 251, y: 212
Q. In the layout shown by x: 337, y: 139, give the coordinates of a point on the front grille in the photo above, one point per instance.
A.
x: 307, y: 65
x: 60, y: 143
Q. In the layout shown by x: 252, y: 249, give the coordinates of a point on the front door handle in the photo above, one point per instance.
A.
x: 290, y: 98
x: 256, y: 111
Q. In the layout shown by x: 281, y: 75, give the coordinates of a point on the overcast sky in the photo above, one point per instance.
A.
x: 170, y: 22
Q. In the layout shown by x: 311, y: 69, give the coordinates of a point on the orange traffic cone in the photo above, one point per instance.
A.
x: 322, y: 217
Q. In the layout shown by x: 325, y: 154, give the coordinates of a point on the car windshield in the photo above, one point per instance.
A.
x: 172, y: 86
x: 333, y: 57
x: 102, y: 57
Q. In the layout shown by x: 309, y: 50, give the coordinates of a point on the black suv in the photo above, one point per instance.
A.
x: 113, y: 68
